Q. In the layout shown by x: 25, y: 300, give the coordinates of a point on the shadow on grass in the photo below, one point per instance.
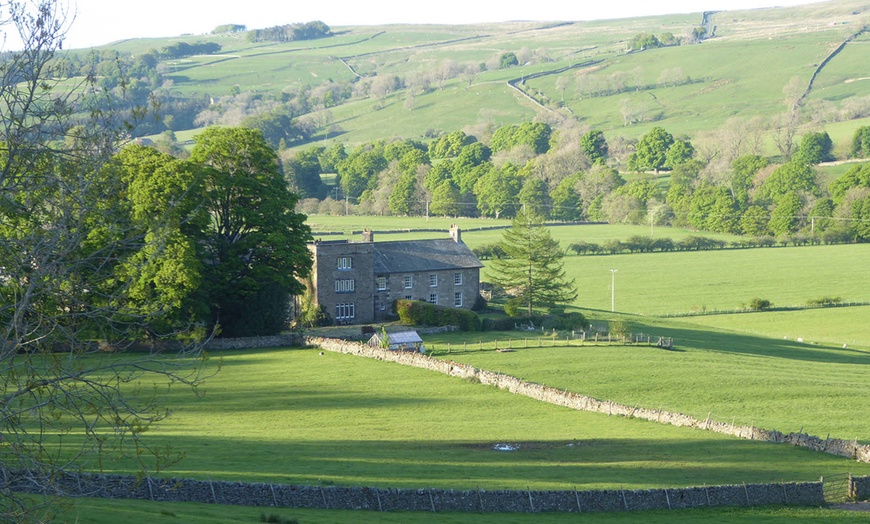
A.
x: 683, y: 336
x: 742, y: 343
x: 586, y: 463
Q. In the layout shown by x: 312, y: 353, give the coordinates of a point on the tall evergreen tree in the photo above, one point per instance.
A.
x: 532, y: 269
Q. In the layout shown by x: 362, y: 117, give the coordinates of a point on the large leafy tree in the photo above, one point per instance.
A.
x: 861, y: 142
x: 403, y: 199
x: 255, y: 252
x: 532, y: 269
x: 815, y: 147
x: 785, y: 217
x: 359, y: 170
x: 860, y: 215
x: 651, y: 153
x: 446, y: 200
x: 567, y: 204
x: 536, y: 135
x: 535, y: 197
x: 790, y: 177
x: 71, y: 233
x: 303, y: 172
x: 594, y: 145
x: 856, y: 176
x: 743, y: 171
x: 497, y: 191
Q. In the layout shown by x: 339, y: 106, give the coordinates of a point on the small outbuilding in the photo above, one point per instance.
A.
x: 400, y: 341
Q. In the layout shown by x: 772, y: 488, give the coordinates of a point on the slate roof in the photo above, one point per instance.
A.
x: 408, y: 256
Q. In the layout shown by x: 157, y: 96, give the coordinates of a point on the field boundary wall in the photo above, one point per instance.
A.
x: 428, y: 499
x: 834, y: 446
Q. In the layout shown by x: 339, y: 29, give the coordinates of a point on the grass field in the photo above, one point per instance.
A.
x: 740, y: 378
x: 302, y: 418
x: 835, y: 326
x: 671, y: 283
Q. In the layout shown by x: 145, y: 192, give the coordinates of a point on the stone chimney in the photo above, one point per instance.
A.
x: 455, y: 233
x: 368, y: 235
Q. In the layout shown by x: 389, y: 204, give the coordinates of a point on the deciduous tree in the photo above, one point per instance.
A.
x: 68, y: 235
x: 652, y: 151
x: 256, y: 241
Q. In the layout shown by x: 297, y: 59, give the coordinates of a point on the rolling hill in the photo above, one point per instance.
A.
x: 415, y: 81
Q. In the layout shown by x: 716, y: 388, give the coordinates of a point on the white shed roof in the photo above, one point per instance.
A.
x: 404, y: 337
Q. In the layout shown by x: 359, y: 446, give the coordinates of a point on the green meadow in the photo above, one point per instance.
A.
x: 298, y: 417
x: 736, y: 378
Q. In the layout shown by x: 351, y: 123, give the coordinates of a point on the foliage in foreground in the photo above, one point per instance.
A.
x: 419, y: 313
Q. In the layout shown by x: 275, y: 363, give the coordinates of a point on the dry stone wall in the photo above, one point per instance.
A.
x: 859, y: 488
x: 431, y: 500
x: 222, y: 344
x: 834, y: 446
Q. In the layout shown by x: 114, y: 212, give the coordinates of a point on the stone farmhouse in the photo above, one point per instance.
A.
x: 356, y: 281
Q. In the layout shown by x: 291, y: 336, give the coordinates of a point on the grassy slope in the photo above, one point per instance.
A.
x: 772, y: 45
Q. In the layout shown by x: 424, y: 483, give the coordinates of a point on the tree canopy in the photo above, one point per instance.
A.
x: 255, y: 243
x: 532, y: 268
x: 651, y: 153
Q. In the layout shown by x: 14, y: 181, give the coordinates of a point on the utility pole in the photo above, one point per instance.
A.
x: 613, y: 290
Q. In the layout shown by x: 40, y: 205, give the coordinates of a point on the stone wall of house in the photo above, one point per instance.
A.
x: 845, y: 448
x: 427, y: 499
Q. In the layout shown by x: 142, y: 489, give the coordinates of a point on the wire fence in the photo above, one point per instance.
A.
x: 575, y: 340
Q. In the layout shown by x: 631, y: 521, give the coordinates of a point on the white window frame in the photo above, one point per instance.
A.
x: 382, y: 283
x: 409, y: 297
x: 409, y: 281
x: 433, y: 298
x: 457, y: 299
x: 345, y: 311
x: 345, y: 263
x: 347, y: 285
x: 457, y: 279
x: 433, y: 280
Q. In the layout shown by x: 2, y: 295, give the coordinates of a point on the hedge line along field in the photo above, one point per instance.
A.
x: 99, y: 511
x: 837, y: 326
x: 685, y: 282
x: 742, y: 378
x: 298, y: 417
